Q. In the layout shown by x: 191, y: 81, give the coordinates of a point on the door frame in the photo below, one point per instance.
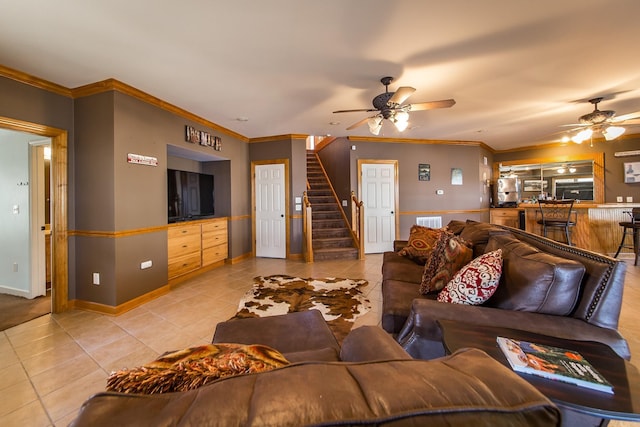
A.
x: 59, y: 208
x: 287, y: 223
x: 396, y: 187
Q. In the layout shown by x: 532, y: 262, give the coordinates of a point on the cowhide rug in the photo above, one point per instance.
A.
x: 339, y: 300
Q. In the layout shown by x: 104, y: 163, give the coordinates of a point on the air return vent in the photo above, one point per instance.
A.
x: 429, y: 221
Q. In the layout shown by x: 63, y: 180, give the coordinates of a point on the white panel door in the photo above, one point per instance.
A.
x: 378, y: 195
x: 271, y: 233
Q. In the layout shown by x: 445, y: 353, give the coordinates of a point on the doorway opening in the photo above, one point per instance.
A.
x: 59, y: 209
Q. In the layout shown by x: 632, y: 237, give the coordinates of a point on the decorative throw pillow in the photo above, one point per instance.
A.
x: 421, y: 243
x: 450, y: 254
x: 476, y: 282
x: 194, y: 367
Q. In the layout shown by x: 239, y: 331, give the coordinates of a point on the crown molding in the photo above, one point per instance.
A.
x: 116, y: 85
x: 34, y: 81
x: 278, y: 137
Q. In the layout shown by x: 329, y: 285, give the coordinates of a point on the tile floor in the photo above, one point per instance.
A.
x: 50, y: 365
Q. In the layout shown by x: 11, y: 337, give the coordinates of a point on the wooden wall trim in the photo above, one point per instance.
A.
x: 278, y: 138
x: 447, y: 212
x: 115, y: 85
x: 34, y: 81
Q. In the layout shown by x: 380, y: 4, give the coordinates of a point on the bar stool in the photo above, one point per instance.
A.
x: 631, y: 228
x: 556, y: 214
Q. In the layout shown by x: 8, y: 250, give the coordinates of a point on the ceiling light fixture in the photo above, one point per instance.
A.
x: 612, y: 132
x: 375, y: 124
x: 572, y: 169
x: 401, y: 120
x: 582, y: 136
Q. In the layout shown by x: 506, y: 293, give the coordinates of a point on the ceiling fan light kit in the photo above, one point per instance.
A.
x: 600, y: 121
x: 389, y: 105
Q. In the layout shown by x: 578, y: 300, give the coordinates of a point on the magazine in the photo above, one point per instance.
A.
x: 552, y: 363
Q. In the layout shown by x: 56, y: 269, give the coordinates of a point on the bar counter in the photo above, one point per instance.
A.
x: 597, y: 226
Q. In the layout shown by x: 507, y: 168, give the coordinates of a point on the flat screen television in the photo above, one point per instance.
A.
x: 190, y: 195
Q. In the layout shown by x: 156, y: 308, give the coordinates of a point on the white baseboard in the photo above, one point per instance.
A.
x: 13, y: 291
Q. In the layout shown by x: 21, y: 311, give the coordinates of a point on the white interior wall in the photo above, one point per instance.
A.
x: 14, y: 225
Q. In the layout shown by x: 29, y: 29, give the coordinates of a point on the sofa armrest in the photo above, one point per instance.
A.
x: 399, y: 244
x: 370, y: 343
x: 421, y: 336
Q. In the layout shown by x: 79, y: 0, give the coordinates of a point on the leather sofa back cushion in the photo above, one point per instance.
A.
x: 534, y: 281
x: 478, y: 234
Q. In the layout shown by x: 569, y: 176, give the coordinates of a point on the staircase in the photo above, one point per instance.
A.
x: 331, y: 237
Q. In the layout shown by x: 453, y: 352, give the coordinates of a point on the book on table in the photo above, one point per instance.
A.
x: 552, y: 363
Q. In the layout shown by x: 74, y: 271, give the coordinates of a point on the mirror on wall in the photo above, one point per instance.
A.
x: 579, y: 178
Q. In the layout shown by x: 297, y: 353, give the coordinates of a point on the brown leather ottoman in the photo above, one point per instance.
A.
x: 300, y: 336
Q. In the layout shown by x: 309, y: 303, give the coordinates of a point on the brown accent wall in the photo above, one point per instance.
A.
x: 124, y: 205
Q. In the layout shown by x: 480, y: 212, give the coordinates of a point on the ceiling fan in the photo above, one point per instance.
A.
x: 604, y: 122
x: 389, y: 105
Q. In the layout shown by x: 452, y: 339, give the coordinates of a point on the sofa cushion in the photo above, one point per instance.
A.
x: 450, y: 254
x: 397, y: 267
x: 476, y: 282
x: 194, y: 367
x: 421, y: 243
x: 533, y: 280
x: 456, y: 226
x: 478, y: 233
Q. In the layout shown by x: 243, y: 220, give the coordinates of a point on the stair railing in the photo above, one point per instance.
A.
x: 307, y: 229
x: 357, y: 222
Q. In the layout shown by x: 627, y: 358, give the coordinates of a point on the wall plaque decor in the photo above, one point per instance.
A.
x: 195, y: 136
x: 139, y: 159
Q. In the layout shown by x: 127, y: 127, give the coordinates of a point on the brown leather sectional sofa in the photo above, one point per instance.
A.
x: 372, y: 381
x: 546, y: 287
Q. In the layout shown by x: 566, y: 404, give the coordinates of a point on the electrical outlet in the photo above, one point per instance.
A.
x: 619, y: 199
x: 439, y: 192
x: 96, y: 278
x: 629, y: 199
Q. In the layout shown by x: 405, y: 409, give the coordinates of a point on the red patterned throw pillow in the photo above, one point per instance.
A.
x: 421, y: 243
x: 476, y: 282
x: 450, y: 254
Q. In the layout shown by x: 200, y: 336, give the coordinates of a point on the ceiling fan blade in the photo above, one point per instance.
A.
x: 445, y: 103
x: 626, y: 117
x: 401, y: 94
x: 356, y: 111
x: 360, y: 123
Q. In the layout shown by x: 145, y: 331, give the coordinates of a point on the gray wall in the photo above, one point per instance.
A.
x: 418, y: 198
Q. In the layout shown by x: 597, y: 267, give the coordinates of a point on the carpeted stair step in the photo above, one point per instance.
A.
x: 326, y: 233
x: 332, y: 242
x: 335, y: 253
x: 334, y: 215
x: 323, y: 207
x: 327, y: 223
x: 322, y: 200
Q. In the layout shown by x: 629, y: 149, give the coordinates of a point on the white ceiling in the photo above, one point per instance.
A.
x: 518, y: 69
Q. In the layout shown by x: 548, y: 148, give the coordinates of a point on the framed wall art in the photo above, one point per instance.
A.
x: 456, y: 176
x: 424, y: 172
x: 631, y: 172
